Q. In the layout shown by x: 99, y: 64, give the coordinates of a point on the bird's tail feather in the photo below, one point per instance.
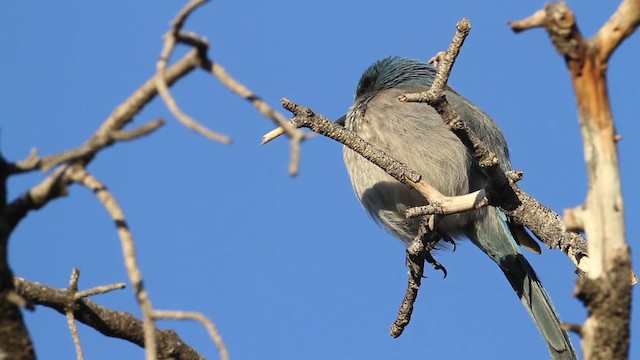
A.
x: 492, y: 235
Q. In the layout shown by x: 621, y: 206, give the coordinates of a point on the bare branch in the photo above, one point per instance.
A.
x: 264, y: 109
x: 86, y: 150
x: 143, y: 130
x: 620, y: 25
x: 31, y: 162
x: 266, y: 138
x: 417, y: 252
x: 99, y: 290
x: 71, y: 322
x: 72, y: 169
x: 15, y: 341
x: 170, y: 40
x: 176, y: 34
x: 125, y: 112
x: 606, y: 292
x: 73, y: 280
x: 550, y: 229
x: 444, y: 69
x: 547, y: 225
x: 533, y: 21
x: 575, y: 328
x: 202, y: 319
x: 163, y: 89
x: 54, y: 185
x: 305, y: 117
x: 118, y: 324
x: 81, y: 176
x: 182, y: 15
x: 185, y: 119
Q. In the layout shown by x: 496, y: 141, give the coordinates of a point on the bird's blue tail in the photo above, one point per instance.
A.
x: 493, y: 237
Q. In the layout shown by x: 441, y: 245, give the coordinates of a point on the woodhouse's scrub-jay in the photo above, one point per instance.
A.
x: 415, y: 134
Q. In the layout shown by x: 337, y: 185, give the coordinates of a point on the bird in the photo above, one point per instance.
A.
x: 415, y: 134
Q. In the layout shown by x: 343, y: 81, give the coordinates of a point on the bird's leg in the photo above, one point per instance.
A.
x: 420, y: 249
x: 430, y: 238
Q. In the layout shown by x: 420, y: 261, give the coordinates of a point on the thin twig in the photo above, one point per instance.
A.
x: 537, y: 19
x: 80, y: 175
x: 182, y: 15
x: 499, y: 190
x: 71, y: 322
x: 205, y: 321
x: 86, y: 150
x: 124, y: 113
x: 296, y: 136
x: 73, y: 280
x: 444, y: 68
x: 28, y: 164
x: 170, y: 41
x: 185, y: 119
x: 103, y: 289
x: 417, y: 252
x: 142, y: 130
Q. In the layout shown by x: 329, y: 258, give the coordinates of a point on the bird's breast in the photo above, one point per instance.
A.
x: 415, y: 135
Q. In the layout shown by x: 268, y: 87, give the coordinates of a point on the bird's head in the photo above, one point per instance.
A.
x: 392, y: 72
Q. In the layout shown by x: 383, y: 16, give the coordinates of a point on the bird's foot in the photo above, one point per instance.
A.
x: 436, y: 265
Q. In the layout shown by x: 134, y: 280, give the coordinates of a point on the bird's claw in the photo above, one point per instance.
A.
x: 436, y: 265
x: 450, y: 241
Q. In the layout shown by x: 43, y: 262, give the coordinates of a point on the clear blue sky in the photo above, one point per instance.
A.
x: 288, y: 268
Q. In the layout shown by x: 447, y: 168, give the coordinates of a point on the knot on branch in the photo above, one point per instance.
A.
x: 463, y: 26
x: 560, y: 23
